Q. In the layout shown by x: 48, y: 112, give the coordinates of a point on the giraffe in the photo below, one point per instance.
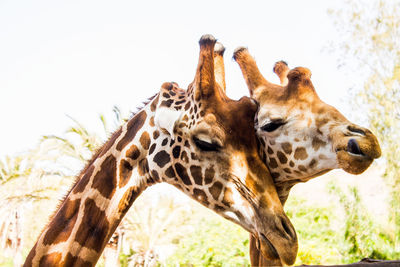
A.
x: 198, y: 140
x: 300, y: 136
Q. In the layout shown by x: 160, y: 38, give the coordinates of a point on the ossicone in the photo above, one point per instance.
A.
x: 299, y: 73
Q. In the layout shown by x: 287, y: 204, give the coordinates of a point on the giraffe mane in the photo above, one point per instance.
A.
x: 92, y: 159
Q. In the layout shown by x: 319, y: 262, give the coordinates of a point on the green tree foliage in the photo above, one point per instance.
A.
x: 361, y: 236
x: 316, y: 232
x: 214, y: 241
x: 371, y: 50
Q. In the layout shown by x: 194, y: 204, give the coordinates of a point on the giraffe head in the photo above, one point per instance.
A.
x: 301, y: 136
x: 206, y: 146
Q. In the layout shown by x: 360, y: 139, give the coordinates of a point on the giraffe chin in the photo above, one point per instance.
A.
x: 275, y: 253
x: 352, y: 163
x: 278, y: 254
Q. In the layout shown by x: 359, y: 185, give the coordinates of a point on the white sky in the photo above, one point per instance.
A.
x: 80, y: 58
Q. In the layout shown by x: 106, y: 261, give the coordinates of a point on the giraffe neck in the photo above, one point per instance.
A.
x: 103, y: 193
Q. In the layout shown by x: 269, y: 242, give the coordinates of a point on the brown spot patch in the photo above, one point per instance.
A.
x: 180, y: 102
x: 184, y: 157
x: 272, y: 163
x: 151, y: 150
x: 93, y: 229
x: 209, y: 175
x: 317, y: 143
x: 164, y: 142
x: 74, y: 261
x: 156, y: 134
x: 302, y: 168
x: 143, y: 167
x: 187, y: 106
x: 125, y: 172
x: 170, y: 173
x: 176, y: 151
x: 151, y: 122
x: 270, y: 151
x: 282, y: 158
x: 313, y: 163
x: 166, y: 103
x: 216, y: 189
x: 187, y: 144
x: 181, y: 171
x: 287, y: 147
x: 291, y: 164
x: 61, y: 226
x: 133, y: 152
x: 300, y: 153
x: 287, y: 170
x: 105, y: 180
x: 145, y: 140
x: 200, y: 196
x: 161, y: 158
x: 275, y: 175
x: 110, y: 142
x: 81, y: 184
x: 196, y: 174
x: 134, y: 125
x: 322, y: 156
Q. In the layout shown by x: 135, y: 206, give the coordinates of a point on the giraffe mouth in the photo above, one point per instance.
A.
x: 353, y: 149
x: 272, y: 249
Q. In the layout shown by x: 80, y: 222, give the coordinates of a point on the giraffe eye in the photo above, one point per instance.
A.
x: 206, y: 146
x: 273, y: 125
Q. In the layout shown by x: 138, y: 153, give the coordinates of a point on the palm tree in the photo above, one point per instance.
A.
x: 155, y: 224
x: 33, y: 181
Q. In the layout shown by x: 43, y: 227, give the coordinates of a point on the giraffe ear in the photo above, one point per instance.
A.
x: 167, y: 118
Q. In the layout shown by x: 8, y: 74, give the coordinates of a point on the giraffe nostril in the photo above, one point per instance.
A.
x: 353, y: 147
x: 288, y: 228
x: 355, y: 130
